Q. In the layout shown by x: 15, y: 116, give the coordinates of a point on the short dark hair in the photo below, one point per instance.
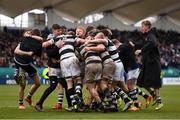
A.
x: 36, y: 31
x: 92, y: 33
x: 55, y: 26
x: 71, y: 33
x: 106, y: 32
x: 89, y: 28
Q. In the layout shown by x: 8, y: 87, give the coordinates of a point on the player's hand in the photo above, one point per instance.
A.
x: 27, y: 34
x: 87, y: 49
x: 86, y: 43
x: 137, y: 52
x: 89, y: 38
x: 131, y: 43
x: 30, y: 53
x: 59, y: 44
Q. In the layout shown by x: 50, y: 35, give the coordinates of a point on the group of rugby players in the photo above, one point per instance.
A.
x: 87, y: 58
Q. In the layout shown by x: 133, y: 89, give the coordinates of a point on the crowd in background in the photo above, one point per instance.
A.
x: 169, y: 42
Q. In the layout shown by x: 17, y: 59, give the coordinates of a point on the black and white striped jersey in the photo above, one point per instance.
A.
x: 89, y: 56
x: 111, y: 48
x: 53, y: 38
x: 50, y: 36
x: 105, y: 57
x: 68, y: 48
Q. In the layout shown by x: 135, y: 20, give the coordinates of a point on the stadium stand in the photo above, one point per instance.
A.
x: 169, y: 46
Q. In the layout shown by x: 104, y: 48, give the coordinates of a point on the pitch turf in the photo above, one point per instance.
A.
x: 9, y: 107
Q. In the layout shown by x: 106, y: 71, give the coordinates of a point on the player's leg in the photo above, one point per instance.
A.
x: 21, y: 97
x: 147, y: 97
x: 158, y: 99
x: 47, y: 92
x: 64, y: 84
x: 32, y: 72
x: 60, y: 97
x: 132, y: 76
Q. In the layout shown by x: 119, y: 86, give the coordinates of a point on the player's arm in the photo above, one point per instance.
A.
x: 21, y: 52
x: 27, y: 34
x: 150, y: 44
x: 98, y: 48
x: 80, y: 41
x: 37, y: 38
x: 59, y: 43
x: 48, y: 43
x: 97, y: 41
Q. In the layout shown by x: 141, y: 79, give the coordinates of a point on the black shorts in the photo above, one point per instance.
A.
x: 29, y: 68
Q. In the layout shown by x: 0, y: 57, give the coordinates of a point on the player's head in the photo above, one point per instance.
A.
x: 107, y: 33
x: 70, y: 32
x: 91, y: 34
x: 64, y: 30
x: 99, y: 35
x: 56, y: 29
x: 145, y: 26
x: 90, y: 28
x: 36, y: 31
x: 80, y: 32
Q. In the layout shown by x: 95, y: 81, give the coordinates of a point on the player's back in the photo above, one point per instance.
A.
x: 30, y: 44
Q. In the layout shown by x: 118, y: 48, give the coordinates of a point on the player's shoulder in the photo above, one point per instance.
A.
x: 50, y: 36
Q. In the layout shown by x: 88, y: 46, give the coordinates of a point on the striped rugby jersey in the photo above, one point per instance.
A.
x: 105, y: 57
x: 68, y: 48
x: 111, y: 48
x: 89, y: 56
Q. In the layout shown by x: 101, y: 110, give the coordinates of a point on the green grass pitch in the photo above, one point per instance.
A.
x: 9, y: 107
